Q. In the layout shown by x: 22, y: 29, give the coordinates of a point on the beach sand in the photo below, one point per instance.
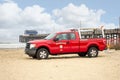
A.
x: 15, y: 65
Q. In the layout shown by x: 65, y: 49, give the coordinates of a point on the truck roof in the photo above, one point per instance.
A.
x: 64, y: 32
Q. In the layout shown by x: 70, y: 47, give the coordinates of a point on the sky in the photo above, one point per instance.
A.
x: 47, y: 16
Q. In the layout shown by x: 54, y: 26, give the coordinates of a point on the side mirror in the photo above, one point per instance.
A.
x: 56, y: 39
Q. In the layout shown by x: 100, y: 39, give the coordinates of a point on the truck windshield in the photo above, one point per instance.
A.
x: 50, y: 36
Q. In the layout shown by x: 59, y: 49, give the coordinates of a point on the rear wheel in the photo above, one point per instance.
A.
x: 42, y: 53
x: 92, y: 52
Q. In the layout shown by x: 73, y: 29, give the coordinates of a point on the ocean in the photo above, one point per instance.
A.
x: 11, y: 45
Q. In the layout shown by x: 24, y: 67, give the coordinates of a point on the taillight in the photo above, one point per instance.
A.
x: 104, y: 41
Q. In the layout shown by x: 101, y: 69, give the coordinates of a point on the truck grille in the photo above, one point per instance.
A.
x: 27, y: 45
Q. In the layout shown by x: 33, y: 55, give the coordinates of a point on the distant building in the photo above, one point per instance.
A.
x: 30, y: 32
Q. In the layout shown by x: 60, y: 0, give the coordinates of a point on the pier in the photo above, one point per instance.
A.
x: 112, y: 36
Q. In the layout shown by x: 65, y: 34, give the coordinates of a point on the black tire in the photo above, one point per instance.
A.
x: 82, y: 54
x: 34, y: 57
x: 42, y: 53
x: 92, y: 52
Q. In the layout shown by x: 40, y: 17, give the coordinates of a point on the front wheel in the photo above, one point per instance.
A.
x: 42, y: 53
x: 92, y: 52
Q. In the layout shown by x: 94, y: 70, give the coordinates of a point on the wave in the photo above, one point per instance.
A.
x: 16, y: 45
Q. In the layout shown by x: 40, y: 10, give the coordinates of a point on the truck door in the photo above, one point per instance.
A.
x: 62, y: 44
x: 74, y: 43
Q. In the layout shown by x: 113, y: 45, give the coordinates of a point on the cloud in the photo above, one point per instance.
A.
x: 73, y: 15
x: 14, y: 20
x: 9, y: 14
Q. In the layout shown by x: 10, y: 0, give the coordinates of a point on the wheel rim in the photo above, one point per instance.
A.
x: 93, y: 52
x: 43, y: 54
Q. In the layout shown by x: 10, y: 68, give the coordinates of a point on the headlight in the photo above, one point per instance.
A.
x: 32, y: 46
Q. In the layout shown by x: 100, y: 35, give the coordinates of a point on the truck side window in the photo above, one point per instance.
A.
x: 63, y: 36
x: 72, y: 36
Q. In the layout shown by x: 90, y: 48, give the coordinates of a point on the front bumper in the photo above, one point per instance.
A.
x: 30, y: 52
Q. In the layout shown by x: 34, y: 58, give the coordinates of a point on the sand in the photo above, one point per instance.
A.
x: 15, y: 65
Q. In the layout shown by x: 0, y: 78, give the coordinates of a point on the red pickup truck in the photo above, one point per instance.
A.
x: 67, y: 42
